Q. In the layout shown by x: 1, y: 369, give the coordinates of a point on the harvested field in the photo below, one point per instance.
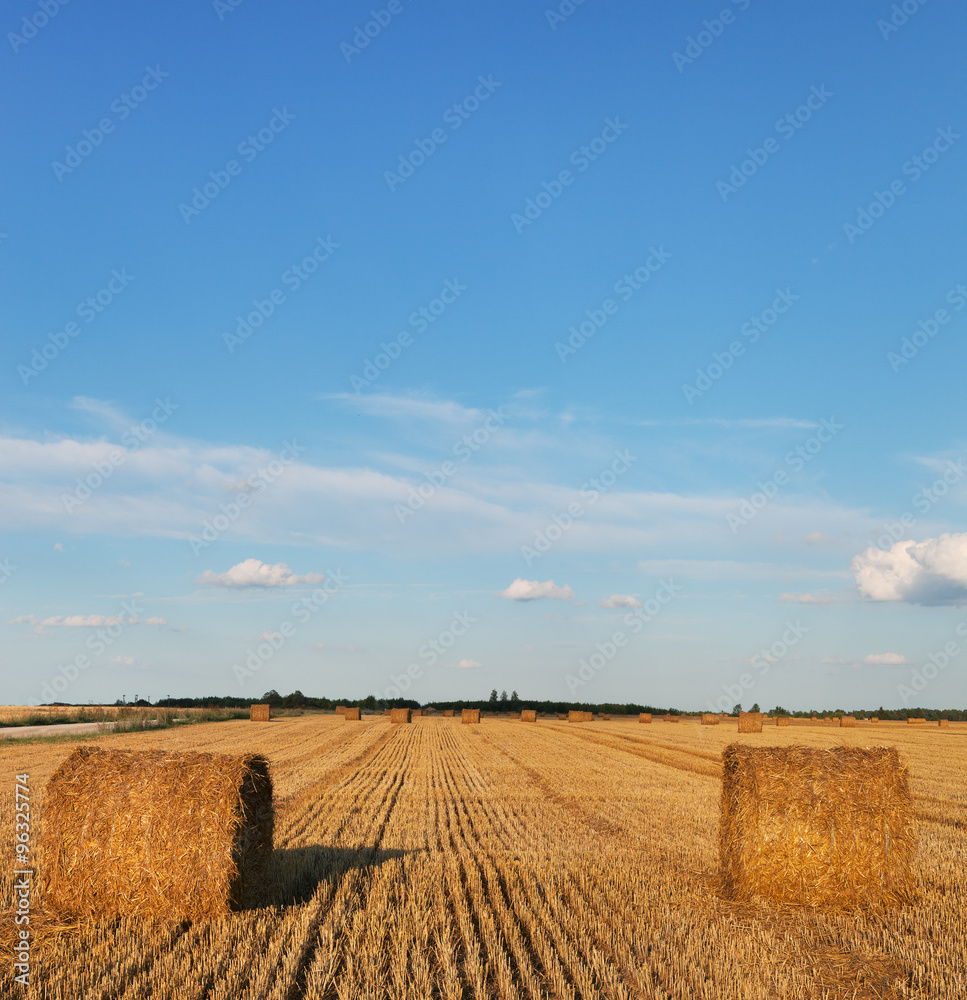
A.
x: 435, y: 860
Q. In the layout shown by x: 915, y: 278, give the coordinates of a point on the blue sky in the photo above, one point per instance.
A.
x: 689, y: 400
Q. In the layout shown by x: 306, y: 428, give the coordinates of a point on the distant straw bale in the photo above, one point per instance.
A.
x: 577, y: 716
x: 750, y: 722
x: 915, y: 722
x: 847, y: 722
x: 671, y: 718
x: 400, y: 715
x: 605, y: 718
x: 562, y: 716
x: 417, y: 713
x: 782, y: 720
x: 340, y: 709
x: 259, y: 713
x: 874, y: 719
x: 644, y: 717
x: 351, y: 714
x: 815, y: 827
x: 943, y: 723
x: 528, y: 715
x: 448, y: 713
x: 155, y: 834
x: 709, y: 719
x: 470, y: 717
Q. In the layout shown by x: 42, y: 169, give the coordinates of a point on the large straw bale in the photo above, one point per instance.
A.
x: 816, y: 827
x: 259, y: 713
x: 847, y: 722
x: 155, y: 834
x: 351, y: 714
x: 644, y: 717
x: 750, y: 722
x: 528, y: 715
x: 470, y: 717
x: 782, y: 720
x: 709, y: 719
x: 400, y: 715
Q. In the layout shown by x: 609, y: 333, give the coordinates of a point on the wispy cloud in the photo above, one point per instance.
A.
x: 533, y: 590
x: 621, y: 601
x: 255, y: 573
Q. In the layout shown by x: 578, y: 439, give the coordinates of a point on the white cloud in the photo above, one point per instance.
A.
x: 805, y: 598
x: 74, y: 621
x: 532, y: 590
x: 621, y: 601
x: 156, y: 621
x: 933, y: 571
x: 886, y: 659
x: 58, y: 547
x: 125, y: 660
x: 466, y: 665
x: 255, y: 573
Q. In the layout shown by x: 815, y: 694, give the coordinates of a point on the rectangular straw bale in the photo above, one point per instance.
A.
x: 259, y: 713
x: 528, y: 715
x: 874, y: 719
x: 782, y: 720
x: 448, y: 713
x: 605, y: 718
x: 417, y: 713
x: 155, y: 834
x: 562, y: 716
x: 816, y: 827
x: 709, y: 720
x: 340, y: 709
x: 351, y: 714
x: 915, y: 722
x: 644, y: 717
x: 847, y: 722
x: 750, y: 722
x: 470, y: 717
x: 400, y: 715
x: 576, y: 716
x: 943, y: 723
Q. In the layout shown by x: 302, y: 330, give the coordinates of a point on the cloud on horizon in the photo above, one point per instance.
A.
x: 533, y: 590
x: 255, y: 573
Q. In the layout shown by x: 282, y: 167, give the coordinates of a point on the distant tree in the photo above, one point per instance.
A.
x: 513, y: 696
x: 755, y: 708
x: 737, y: 708
x: 503, y: 695
x: 368, y: 702
x: 272, y: 697
x: 493, y: 697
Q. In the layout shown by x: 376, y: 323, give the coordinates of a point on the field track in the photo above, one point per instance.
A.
x: 508, y: 860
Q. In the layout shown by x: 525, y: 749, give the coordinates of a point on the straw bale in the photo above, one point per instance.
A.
x: 399, y: 715
x: 528, y: 715
x: 875, y: 719
x: 915, y: 722
x: 816, y: 827
x: 672, y: 718
x: 943, y: 723
x: 750, y: 722
x: 259, y: 713
x: 577, y: 716
x: 340, y: 709
x: 155, y: 834
x: 605, y: 718
x: 470, y: 717
x: 417, y: 713
x: 782, y: 720
x: 709, y: 720
x: 847, y: 722
x: 644, y: 717
x: 351, y: 715
x: 448, y: 713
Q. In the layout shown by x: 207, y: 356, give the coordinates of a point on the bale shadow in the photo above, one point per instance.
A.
x: 295, y: 873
